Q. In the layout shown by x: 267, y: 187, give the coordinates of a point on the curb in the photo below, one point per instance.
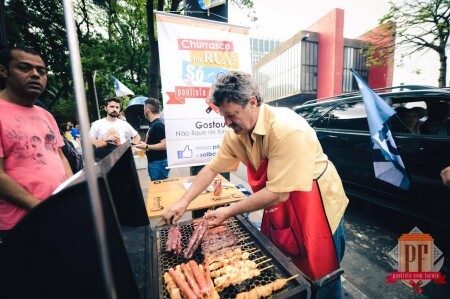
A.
x: 350, y: 291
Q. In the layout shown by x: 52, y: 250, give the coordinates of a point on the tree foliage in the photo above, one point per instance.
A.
x: 116, y: 38
x: 421, y: 25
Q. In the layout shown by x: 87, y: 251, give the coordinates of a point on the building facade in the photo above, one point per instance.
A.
x: 315, y: 63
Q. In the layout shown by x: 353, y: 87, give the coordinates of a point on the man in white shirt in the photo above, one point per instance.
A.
x: 109, y: 132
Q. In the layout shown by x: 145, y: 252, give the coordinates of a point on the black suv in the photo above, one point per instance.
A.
x: 342, y: 128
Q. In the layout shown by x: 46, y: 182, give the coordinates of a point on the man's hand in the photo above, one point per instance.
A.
x: 176, y: 211
x: 15, y: 193
x: 216, y: 217
x: 142, y: 146
x: 445, y: 175
x: 112, y: 139
x: 200, y: 183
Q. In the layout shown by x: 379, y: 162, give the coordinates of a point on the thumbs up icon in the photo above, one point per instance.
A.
x: 186, y: 153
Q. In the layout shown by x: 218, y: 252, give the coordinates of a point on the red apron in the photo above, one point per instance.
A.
x: 298, y: 227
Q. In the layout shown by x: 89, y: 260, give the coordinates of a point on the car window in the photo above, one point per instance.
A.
x: 431, y: 116
x: 438, y: 121
x: 312, y: 113
x: 409, y: 117
x: 348, y: 116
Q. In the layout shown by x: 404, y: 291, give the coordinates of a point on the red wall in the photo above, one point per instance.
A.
x: 381, y: 37
x: 330, y: 53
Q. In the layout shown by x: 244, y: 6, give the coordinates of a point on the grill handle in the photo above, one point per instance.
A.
x: 317, y: 284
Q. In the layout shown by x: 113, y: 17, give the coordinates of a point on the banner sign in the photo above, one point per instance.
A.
x: 207, y: 4
x: 192, y: 53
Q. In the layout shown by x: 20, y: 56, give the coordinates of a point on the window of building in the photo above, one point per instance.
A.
x: 353, y: 58
x: 309, y: 66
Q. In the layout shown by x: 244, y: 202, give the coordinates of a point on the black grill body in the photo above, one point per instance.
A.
x: 161, y: 261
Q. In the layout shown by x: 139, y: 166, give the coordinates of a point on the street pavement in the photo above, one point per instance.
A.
x: 350, y: 291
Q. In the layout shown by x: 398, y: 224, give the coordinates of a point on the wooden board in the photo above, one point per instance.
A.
x: 162, y: 194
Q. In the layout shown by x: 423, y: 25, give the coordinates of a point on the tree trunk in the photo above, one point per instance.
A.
x: 443, y: 68
x: 154, y: 74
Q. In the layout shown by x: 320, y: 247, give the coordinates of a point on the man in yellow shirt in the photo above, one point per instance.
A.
x: 291, y: 177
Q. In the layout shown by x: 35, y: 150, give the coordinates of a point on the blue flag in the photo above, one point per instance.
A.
x: 387, y: 163
x: 120, y: 89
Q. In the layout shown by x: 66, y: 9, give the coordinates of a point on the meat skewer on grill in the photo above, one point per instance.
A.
x: 221, y: 235
x: 265, y: 290
x: 233, y: 260
x: 174, y: 240
x: 195, y: 239
x: 227, y: 239
x: 212, y: 247
x: 227, y: 261
x: 237, y: 277
x: 228, y: 253
x: 216, y: 230
x: 236, y: 267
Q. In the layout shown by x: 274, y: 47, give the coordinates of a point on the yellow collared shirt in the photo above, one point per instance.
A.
x: 294, y: 154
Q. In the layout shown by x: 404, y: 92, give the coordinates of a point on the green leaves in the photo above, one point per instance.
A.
x: 421, y: 26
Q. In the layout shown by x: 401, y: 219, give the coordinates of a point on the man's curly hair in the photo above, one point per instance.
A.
x: 236, y: 87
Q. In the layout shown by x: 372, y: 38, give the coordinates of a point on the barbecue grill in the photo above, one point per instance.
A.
x: 161, y: 261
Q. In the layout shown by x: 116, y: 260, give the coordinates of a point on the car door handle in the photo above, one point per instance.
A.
x: 401, y: 146
x: 337, y: 137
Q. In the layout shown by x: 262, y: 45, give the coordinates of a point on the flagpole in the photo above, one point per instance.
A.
x: 96, y: 98
x: 106, y: 79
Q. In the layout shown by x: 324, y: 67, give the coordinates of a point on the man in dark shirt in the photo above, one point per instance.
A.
x: 437, y: 122
x: 155, y: 141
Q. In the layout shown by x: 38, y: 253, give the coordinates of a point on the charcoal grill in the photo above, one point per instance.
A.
x: 161, y: 261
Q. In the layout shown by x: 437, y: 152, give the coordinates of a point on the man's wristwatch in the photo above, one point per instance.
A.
x: 146, y: 147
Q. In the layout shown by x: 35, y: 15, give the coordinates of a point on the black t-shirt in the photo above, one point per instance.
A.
x: 156, y: 132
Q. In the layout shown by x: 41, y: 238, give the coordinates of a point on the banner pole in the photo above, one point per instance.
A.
x: 221, y: 16
x: 88, y: 152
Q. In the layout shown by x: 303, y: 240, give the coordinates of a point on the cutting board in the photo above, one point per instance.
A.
x: 162, y: 194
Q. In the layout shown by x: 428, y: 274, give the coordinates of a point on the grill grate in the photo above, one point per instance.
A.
x: 162, y: 260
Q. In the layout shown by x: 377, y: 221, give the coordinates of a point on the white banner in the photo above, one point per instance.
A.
x: 192, y: 53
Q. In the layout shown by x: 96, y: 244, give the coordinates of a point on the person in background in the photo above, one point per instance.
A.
x: 122, y: 116
x: 109, y: 132
x: 437, y: 122
x: 32, y: 164
x: 445, y: 176
x: 410, y: 118
x: 64, y: 128
x: 65, y: 131
x: 155, y: 142
x: 291, y: 177
x: 75, y: 131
